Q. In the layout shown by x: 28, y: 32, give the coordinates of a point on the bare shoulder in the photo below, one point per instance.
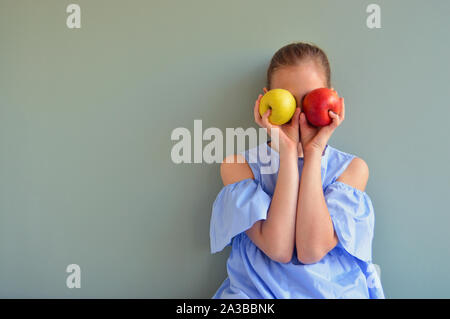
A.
x: 356, y: 174
x: 234, y: 168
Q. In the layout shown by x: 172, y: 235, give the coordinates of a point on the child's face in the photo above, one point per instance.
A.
x: 299, y: 79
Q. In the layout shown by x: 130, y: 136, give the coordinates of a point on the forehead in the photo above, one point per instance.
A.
x: 299, y: 79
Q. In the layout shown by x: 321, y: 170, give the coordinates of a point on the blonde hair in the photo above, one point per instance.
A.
x: 296, y: 52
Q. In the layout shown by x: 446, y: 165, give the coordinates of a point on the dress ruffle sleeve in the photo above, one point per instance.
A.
x: 236, y: 208
x: 352, y: 214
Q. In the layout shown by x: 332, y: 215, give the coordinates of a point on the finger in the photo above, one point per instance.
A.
x: 265, y: 90
x: 265, y: 119
x: 343, y: 109
x: 304, y: 122
x: 326, y: 131
x: 256, y: 111
x: 301, y: 119
x: 295, y: 118
x: 335, y: 119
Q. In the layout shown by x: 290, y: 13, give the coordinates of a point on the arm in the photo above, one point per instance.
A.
x: 274, y: 236
x: 315, y: 235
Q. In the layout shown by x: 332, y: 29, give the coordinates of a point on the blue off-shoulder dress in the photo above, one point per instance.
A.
x: 346, y: 271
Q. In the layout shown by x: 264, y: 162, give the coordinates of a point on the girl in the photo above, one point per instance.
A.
x: 306, y: 230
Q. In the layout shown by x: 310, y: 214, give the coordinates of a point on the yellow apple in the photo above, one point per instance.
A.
x: 282, y: 103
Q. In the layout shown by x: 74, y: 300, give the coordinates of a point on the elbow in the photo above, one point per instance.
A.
x: 281, y: 256
x: 311, y: 252
x: 310, y: 256
x: 284, y: 258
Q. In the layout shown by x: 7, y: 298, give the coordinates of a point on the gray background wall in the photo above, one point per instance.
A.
x: 86, y: 117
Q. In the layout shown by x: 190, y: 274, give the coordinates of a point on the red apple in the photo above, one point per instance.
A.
x: 318, y: 102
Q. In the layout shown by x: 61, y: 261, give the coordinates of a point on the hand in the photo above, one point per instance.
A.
x: 288, y: 134
x: 314, y: 139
